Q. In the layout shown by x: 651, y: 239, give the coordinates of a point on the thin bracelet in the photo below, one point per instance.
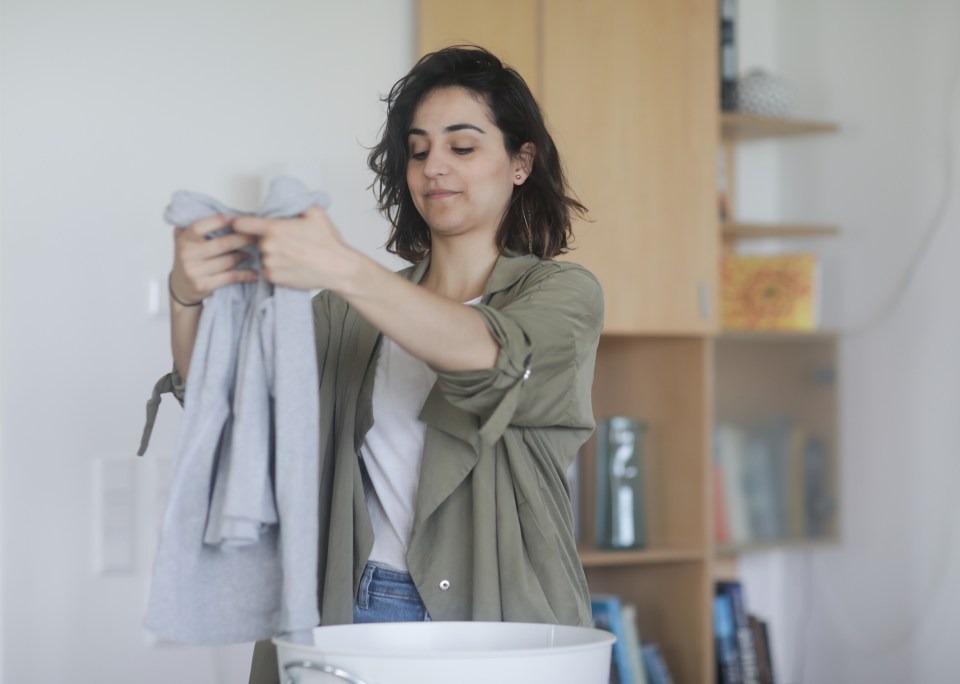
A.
x: 174, y: 297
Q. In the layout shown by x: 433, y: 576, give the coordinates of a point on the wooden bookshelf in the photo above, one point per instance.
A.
x: 654, y: 243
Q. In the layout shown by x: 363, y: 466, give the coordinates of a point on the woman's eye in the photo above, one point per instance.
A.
x: 418, y: 155
x: 462, y: 150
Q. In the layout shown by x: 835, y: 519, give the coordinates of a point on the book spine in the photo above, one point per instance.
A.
x: 607, y: 615
x: 745, y: 646
x: 725, y: 638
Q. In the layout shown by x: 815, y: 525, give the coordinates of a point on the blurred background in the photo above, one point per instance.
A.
x: 107, y: 107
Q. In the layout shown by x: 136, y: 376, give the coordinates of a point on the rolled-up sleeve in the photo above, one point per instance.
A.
x: 548, y: 337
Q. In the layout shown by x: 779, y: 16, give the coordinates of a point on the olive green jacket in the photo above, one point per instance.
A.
x: 492, y: 536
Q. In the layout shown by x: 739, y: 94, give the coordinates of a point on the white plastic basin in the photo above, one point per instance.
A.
x: 448, y: 653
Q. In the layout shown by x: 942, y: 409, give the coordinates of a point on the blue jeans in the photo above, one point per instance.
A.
x: 388, y: 595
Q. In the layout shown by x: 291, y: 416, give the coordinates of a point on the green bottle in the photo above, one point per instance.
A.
x: 621, y: 519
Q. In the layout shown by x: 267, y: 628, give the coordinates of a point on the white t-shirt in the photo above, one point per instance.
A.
x: 393, y: 449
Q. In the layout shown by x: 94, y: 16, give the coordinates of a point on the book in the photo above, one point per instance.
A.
x: 766, y: 478
x: 620, y: 516
x: 725, y: 641
x: 631, y: 636
x: 608, y: 615
x: 762, y: 292
x: 728, y: 454
x: 796, y: 484
x: 746, y: 649
x: 762, y: 642
x: 657, y: 670
x: 818, y: 498
x: 721, y: 524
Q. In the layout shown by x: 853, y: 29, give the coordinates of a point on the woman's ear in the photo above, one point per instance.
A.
x: 523, y: 162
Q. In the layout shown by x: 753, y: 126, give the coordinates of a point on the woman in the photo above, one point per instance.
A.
x: 456, y: 393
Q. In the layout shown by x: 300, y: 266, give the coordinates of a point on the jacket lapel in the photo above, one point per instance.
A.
x: 452, y: 444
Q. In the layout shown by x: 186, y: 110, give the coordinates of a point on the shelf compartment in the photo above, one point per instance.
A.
x: 736, y: 126
x: 663, y: 381
x: 673, y: 609
x: 768, y: 376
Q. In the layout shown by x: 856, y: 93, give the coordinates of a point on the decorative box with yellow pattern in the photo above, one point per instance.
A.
x: 761, y: 292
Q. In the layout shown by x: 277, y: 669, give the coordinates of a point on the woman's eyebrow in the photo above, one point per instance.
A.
x: 449, y: 129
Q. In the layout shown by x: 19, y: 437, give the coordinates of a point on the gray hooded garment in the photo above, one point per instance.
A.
x: 237, y: 560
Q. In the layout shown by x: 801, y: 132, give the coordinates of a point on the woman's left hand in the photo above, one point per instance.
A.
x: 305, y: 252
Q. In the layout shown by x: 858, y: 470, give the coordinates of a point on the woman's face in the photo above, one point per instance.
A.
x: 459, y: 172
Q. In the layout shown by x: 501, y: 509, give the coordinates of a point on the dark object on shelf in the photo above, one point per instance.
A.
x: 761, y: 639
x: 728, y: 56
x: 621, y: 519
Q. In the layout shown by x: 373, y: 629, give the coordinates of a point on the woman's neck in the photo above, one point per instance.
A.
x: 459, y: 271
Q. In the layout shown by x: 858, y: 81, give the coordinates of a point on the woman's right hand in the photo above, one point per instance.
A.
x: 200, y: 265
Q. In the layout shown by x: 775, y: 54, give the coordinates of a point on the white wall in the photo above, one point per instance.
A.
x: 107, y: 107
x: 884, y: 607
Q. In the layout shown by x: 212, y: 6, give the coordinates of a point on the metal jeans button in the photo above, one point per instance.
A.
x: 444, y: 585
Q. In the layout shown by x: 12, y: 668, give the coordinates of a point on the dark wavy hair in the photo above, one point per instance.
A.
x: 538, y: 218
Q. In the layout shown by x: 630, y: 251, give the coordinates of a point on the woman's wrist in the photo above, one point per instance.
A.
x: 358, y: 275
x: 177, y: 300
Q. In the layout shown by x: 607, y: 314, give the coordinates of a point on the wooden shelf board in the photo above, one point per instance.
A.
x: 734, y: 126
x: 593, y: 558
x: 778, y: 335
x: 728, y: 550
x: 750, y: 231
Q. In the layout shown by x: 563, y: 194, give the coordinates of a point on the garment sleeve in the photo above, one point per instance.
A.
x: 543, y: 375
x: 171, y: 383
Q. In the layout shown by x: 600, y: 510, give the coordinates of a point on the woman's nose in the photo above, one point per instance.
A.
x: 436, y: 164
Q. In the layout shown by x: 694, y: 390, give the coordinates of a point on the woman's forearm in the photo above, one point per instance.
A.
x: 444, y: 333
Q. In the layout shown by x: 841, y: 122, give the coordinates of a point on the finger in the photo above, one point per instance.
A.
x: 209, y: 224
x: 219, y: 264
x: 224, y: 244
x: 251, y: 225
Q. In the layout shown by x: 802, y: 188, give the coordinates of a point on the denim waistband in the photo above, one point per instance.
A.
x: 386, y: 591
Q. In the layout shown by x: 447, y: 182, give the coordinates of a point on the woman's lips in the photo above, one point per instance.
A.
x: 440, y: 194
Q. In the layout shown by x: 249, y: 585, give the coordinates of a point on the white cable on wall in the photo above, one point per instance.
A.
x: 887, y: 306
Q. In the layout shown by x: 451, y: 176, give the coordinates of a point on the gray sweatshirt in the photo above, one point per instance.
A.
x: 237, y: 559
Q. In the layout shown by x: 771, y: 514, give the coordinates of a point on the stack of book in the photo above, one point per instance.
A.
x: 772, y: 482
x: 742, y: 640
x: 634, y: 661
